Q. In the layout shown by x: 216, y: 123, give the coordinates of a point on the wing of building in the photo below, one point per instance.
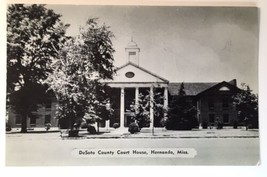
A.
x: 213, y: 100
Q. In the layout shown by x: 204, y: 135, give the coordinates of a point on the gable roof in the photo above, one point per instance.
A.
x: 143, y: 69
x: 190, y: 89
x: 231, y: 87
x: 195, y: 88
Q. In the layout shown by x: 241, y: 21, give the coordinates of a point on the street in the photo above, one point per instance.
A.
x: 31, y: 150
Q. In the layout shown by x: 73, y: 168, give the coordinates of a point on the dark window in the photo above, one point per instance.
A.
x: 225, y: 103
x: 18, y: 119
x: 211, y: 118
x: 32, y: 120
x: 129, y: 74
x: 189, y: 101
x: 132, y: 53
x: 47, y: 118
x: 48, y: 104
x: 211, y: 105
x: 226, y: 118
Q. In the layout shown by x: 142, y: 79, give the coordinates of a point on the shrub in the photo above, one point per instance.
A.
x: 116, y: 125
x: 235, y: 124
x: 73, y: 133
x: 219, y: 125
x: 84, y: 125
x: 91, y: 129
x: 185, y: 125
x: 133, y: 128
x: 8, y: 127
x: 181, y: 125
x: 204, y: 125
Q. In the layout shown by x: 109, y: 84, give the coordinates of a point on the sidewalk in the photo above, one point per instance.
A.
x: 54, y: 133
x: 163, y: 133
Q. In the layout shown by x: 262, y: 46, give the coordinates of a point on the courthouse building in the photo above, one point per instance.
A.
x: 212, y: 100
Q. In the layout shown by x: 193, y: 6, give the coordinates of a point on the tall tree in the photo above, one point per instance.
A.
x: 180, y: 113
x: 77, y: 74
x: 246, y: 104
x: 34, y: 34
x: 141, y: 111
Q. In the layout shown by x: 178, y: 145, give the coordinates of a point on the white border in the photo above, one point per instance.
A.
x: 145, y: 171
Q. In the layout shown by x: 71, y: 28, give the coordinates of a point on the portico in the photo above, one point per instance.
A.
x: 130, y: 80
x: 123, y: 89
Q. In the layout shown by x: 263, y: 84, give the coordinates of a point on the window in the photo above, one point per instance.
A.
x: 47, y: 119
x: 18, y: 120
x: 226, y: 118
x: 189, y: 101
x: 211, y: 118
x: 32, y: 120
x: 225, y: 103
x: 224, y: 89
x: 129, y: 74
x: 48, y: 104
x: 211, y: 105
x: 132, y: 53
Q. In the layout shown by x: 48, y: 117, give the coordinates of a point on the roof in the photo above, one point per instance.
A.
x: 229, y: 85
x: 190, y: 89
x: 195, y: 88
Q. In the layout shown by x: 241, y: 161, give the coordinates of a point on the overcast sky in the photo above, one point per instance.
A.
x: 181, y: 44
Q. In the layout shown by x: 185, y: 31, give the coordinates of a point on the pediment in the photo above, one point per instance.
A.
x: 221, y: 87
x: 131, y: 73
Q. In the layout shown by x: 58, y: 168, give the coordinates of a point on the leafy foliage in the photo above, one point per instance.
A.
x: 141, y: 111
x: 76, y: 75
x: 246, y: 104
x: 34, y: 34
x: 180, y: 113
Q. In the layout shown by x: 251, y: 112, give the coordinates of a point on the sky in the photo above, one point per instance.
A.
x: 180, y: 44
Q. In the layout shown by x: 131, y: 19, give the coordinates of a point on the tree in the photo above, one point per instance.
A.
x: 77, y: 74
x: 34, y: 33
x: 160, y: 112
x: 141, y: 111
x: 246, y: 104
x: 180, y: 113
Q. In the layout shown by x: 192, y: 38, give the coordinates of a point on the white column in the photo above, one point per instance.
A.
x: 165, y: 100
x: 151, y: 108
x: 107, y: 124
x: 122, y: 109
x: 136, y: 96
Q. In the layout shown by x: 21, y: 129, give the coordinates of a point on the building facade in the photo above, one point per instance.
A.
x: 212, y: 100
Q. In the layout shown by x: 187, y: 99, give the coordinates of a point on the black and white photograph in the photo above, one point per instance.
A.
x: 117, y: 85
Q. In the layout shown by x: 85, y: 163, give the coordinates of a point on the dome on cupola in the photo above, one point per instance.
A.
x: 132, y: 44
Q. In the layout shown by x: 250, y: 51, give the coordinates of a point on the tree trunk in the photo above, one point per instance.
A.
x: 97, y: 123
x: 24, y: 123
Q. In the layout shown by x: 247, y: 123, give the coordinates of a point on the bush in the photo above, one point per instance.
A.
x: 235, y: 124
x: 73, y: 133
x: 204, y: 125
x: 181, y: 125
x: 84, y: 125
x: 91, y: 129
x: 133, y: 128
x: 219, y: 125
x: 8, y: 127
x: 116, y: 125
